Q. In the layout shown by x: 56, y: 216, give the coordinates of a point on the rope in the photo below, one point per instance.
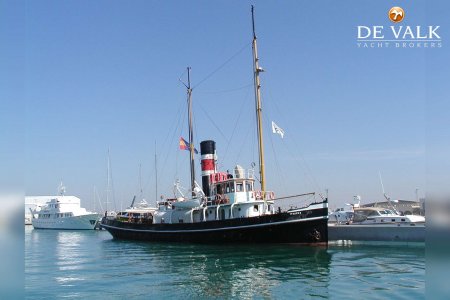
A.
x: 242, y: 147
x: 181, y: 112
x: 308, y: 172
x: 222, y: 65
x: 112, y: 185
x: 174, y: 125
x: 227, y: 91
x: 212, y: 121
x: 277, y: 165
x: 236, y: 123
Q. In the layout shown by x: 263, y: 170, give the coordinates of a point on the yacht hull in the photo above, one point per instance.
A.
x: 84, y: 222
x: 378, y: 232
x: 307, y: 226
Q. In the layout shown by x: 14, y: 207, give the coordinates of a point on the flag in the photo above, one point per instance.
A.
x: 185, y: 145
x: 276, y: 129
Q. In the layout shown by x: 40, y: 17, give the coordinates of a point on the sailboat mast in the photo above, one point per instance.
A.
x: 156, y: 176
x: 140, y: 182
x: 191, y: 131
x: 256, y: 71
x: 107, y: 181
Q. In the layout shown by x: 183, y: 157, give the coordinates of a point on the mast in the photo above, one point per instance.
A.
x: 191, y: 131
x: 107, y: 182
x: 156, y: 176
x: 141, y: 195
x: 256, y: 71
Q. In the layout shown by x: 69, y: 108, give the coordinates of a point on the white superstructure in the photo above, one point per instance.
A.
x: 63, y: 212
x: 31, y: 203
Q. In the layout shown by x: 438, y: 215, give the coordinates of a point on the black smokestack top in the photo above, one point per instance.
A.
x: 207, y: 147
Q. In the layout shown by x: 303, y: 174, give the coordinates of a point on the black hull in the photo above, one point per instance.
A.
x: 306, y: 227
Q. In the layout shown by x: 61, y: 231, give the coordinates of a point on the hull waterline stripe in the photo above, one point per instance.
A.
x: 217, y: 229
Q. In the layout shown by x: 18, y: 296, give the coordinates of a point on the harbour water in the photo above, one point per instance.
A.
x: 91, y: 265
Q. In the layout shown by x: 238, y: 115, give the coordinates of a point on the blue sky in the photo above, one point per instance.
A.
x: 79, y: 77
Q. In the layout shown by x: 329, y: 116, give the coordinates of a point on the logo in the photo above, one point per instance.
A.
x: 385, y: 34
x: 396, y: 14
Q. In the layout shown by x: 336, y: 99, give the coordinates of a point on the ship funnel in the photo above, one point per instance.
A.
x: 208, y: 152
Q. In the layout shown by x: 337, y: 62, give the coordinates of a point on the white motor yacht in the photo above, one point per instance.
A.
x: 63, y: 212
x: 377, y: 224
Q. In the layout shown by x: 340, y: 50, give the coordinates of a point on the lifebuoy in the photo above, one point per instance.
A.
x: 258, y: 195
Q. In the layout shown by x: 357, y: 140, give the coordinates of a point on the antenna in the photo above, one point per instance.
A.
x: 253, y: 22
x: 382, y: 187
x: 61, y: 189
x: 386, y: 196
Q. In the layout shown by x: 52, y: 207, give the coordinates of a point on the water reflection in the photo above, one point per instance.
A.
x: 56, y: 259
x: 389, y: 270
x: 90, y: 264
x: 236, y: 271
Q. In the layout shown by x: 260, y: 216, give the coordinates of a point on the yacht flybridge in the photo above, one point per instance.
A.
x: 228, y: 208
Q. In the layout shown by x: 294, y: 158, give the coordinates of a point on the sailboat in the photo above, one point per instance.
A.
x: 228, y: 208
x: 137, y: 212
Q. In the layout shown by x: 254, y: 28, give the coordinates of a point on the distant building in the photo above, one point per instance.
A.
x: 406, y: 207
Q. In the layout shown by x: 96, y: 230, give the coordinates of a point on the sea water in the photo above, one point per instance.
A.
x: 92, y: 265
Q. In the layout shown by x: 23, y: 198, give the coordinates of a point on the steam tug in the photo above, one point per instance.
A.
x: 228, y: 208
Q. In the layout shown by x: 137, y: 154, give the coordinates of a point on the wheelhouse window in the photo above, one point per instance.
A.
x: 248, y: 186
x: 220, y: 189
x: 239, y: 187
x: 232, y: 187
